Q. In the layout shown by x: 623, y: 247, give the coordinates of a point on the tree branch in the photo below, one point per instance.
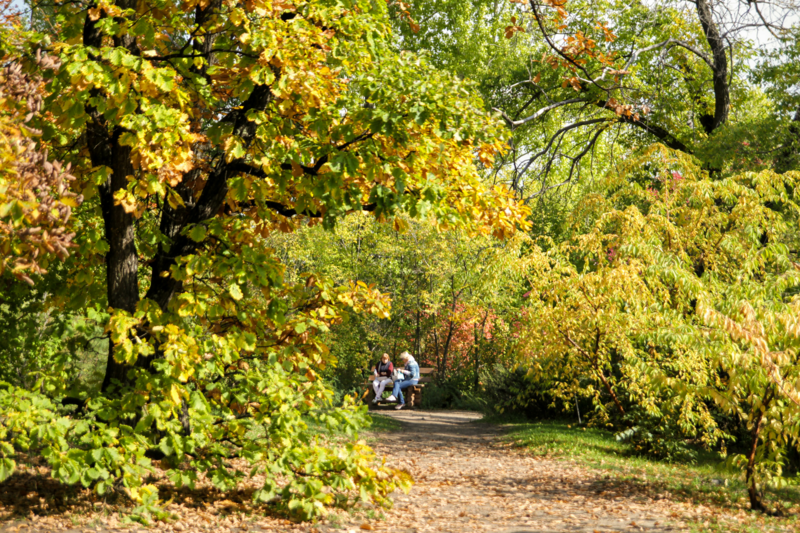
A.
x: 667, y: 43
x: 657, y: 131
x: 539, y: 113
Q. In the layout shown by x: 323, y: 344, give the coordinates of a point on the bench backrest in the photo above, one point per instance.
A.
x: 426, y: 370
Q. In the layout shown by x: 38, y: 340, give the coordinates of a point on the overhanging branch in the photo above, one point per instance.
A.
x: 657, y: 131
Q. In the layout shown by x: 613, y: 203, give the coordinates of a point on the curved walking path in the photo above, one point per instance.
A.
x: 469, y: 480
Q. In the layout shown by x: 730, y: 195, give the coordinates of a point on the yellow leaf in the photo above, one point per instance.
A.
x: 235, y: 292
x: 174, y: 199
x: 175, y: 394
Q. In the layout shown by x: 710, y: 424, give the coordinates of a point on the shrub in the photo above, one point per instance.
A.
x: 513, y: 392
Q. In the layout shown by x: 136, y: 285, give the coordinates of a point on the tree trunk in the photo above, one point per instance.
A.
x: 756, y: 501
x: 722, y: 99
x: 436, y: 351
x: 122, y: 287
x: 417, y: 344
x: 446, y: 348
x: 477, y: 347
x: 122, y: 264
x: 477, y: 355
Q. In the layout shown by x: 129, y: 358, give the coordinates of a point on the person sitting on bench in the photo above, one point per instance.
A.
x: 383, y: 375
x: 411, y: 373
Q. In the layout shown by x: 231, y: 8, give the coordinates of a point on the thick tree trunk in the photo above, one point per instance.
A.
x: 122, y: 263
x: 722, y: 98
x: 122, y: 288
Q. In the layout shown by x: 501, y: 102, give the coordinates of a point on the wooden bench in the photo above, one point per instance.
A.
x: 412, y: 395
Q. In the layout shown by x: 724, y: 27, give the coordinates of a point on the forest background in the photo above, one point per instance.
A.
x: 558, y: 205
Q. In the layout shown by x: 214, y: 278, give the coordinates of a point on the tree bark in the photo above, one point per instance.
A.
x: 756, y: 502
x: 122, y: 287
x: 122, y: 264
x: 722, y: 98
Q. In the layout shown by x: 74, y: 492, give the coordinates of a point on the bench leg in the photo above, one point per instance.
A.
x: 413, y: 396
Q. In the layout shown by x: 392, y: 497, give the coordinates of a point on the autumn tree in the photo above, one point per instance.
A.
x: 676, y: 293
x: 35, y: 197
x: 195, y: 130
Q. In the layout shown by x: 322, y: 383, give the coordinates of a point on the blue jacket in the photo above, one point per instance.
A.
x: 412, y: 367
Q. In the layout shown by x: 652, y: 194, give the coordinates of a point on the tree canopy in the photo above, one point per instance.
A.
x: 192, y: 132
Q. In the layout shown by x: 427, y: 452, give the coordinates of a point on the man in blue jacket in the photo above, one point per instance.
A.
x: 411, y: 373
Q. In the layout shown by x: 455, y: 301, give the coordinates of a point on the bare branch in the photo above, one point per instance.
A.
x: 669, y: 43
x: 513, y: 124
x: 657, y: 131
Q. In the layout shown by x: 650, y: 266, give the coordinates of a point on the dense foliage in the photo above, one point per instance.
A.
x: 216, y: 215
x: 674, y: 296
x: 194, y: 132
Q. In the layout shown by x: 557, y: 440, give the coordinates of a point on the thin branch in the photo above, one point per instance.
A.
x: 539, y: 113
x: 667, y: 43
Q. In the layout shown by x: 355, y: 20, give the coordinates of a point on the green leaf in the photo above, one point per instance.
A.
x: 197, y: 233
x: 7, y: 467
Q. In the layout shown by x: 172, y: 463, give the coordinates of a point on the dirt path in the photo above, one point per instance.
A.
x: 469, y: 480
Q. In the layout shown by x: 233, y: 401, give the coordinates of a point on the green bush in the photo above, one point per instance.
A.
x: 657, y: 437
x: 355, y: 350
x: 511, y: 392
x: 444, y: 394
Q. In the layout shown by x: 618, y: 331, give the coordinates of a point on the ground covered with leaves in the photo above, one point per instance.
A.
x: 470, y: 476
x: 712, y: 495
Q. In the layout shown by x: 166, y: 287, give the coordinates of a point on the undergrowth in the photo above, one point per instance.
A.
x: 704, y: 480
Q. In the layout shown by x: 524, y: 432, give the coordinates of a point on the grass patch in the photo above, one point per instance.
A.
x: 383, y: 423
x: 704, y: 481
